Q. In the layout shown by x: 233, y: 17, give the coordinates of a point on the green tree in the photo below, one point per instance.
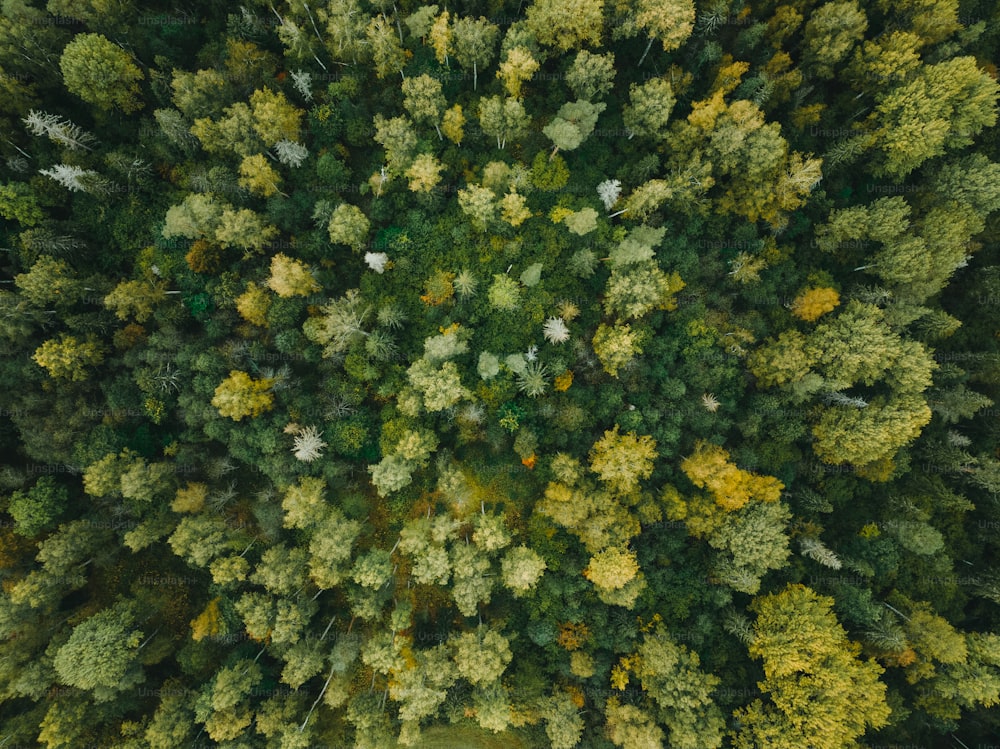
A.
x: 423, y: 99
x: 479, y: 203
x: 387, y: 53
x: 616, y: 346
x: 940, y: 108
x: 135, y: 298
x: 480, y: 656
x: 49, y: 282
x: 521, y: 569
x: 573, y: 124
x: 670, y: 675
x: 101, y: 73
x: 274, y: 117
x: 648, y: 111
x: 474, y: 44
x: 631, y: 727
x: 399, y: 141
x: 591, y: 76
x: 831, y: 33
x: 38, y: 508
x: 101, y: 654
x: 244, y: 229
x: 348, y: 225
x: 503, y: 118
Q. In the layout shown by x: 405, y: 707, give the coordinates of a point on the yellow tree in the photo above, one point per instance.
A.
x: 708, y: 467
x: 258, y: 176
x: 68, y: 358
x: 820, y: 694
x: 811, y: 304
x: 424, y: 173
x: 239, y: 395
x: 622, y: 460
x: 290, y: 277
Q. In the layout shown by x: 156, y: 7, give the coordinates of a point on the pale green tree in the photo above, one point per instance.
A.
x: 101, y: 73
x: 348, y: 225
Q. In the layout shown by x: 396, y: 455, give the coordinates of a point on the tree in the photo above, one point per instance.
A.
x: 423, y: 99
x: 566, y: 26
x: 135, y: 298
x: 622, y: 460
x: 503, y: 118
x: 69, y: 358
x: 480, y: 656
x: 648, y: 111
x: 630, y: 727
x: 49, y: 282
x: 811, y: 304
x: 820, y: 693
x: 196, y: 217
x: 440, y: 35
x: 521, y: 569
x: 591, y: 76
x: 781, y: 361
x: 441, y: 387
x: 670, y: 674
x: 867, y: 435
x: 473, y: 583
x: 941, y: 107
x: 290, y: 277
x: 731, y: 487
x: 422, y: 686
x: 330, y: 548
x: 275, y: 119
x: 386, y: 51
x: 752, y: 540
x: 101, y: 73
x: 348, y: 225
x: 424, y: 173
x: 399, y: 141
x: 258, y: 176
x: 244, y: 229
x: 75, y: 178
x: 639, y: 288
x: 518, y: 66
x: 612, y: 569
x: 59, y: 130
x: 616, y: 345
x: 346, y: 30
x: 453, y: 124
x: 340, y: 324
x: 38, y: 508
x: 303, y: 503
x: 671, y: 22
x: 563, y: 722
x: 101, y: 654
x: 479, y: 203
x: 581, y: 222
x: 253, y: 304
x: 239, y: 395
x: 474, y: 43
x: 831, y: 33
x: 573, y: 124
x: 514, y: 209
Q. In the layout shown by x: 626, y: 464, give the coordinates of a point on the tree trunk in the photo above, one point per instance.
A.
x: 650, y: 44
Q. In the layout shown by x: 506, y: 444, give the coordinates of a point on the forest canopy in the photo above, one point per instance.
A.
x: 568, y: 373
